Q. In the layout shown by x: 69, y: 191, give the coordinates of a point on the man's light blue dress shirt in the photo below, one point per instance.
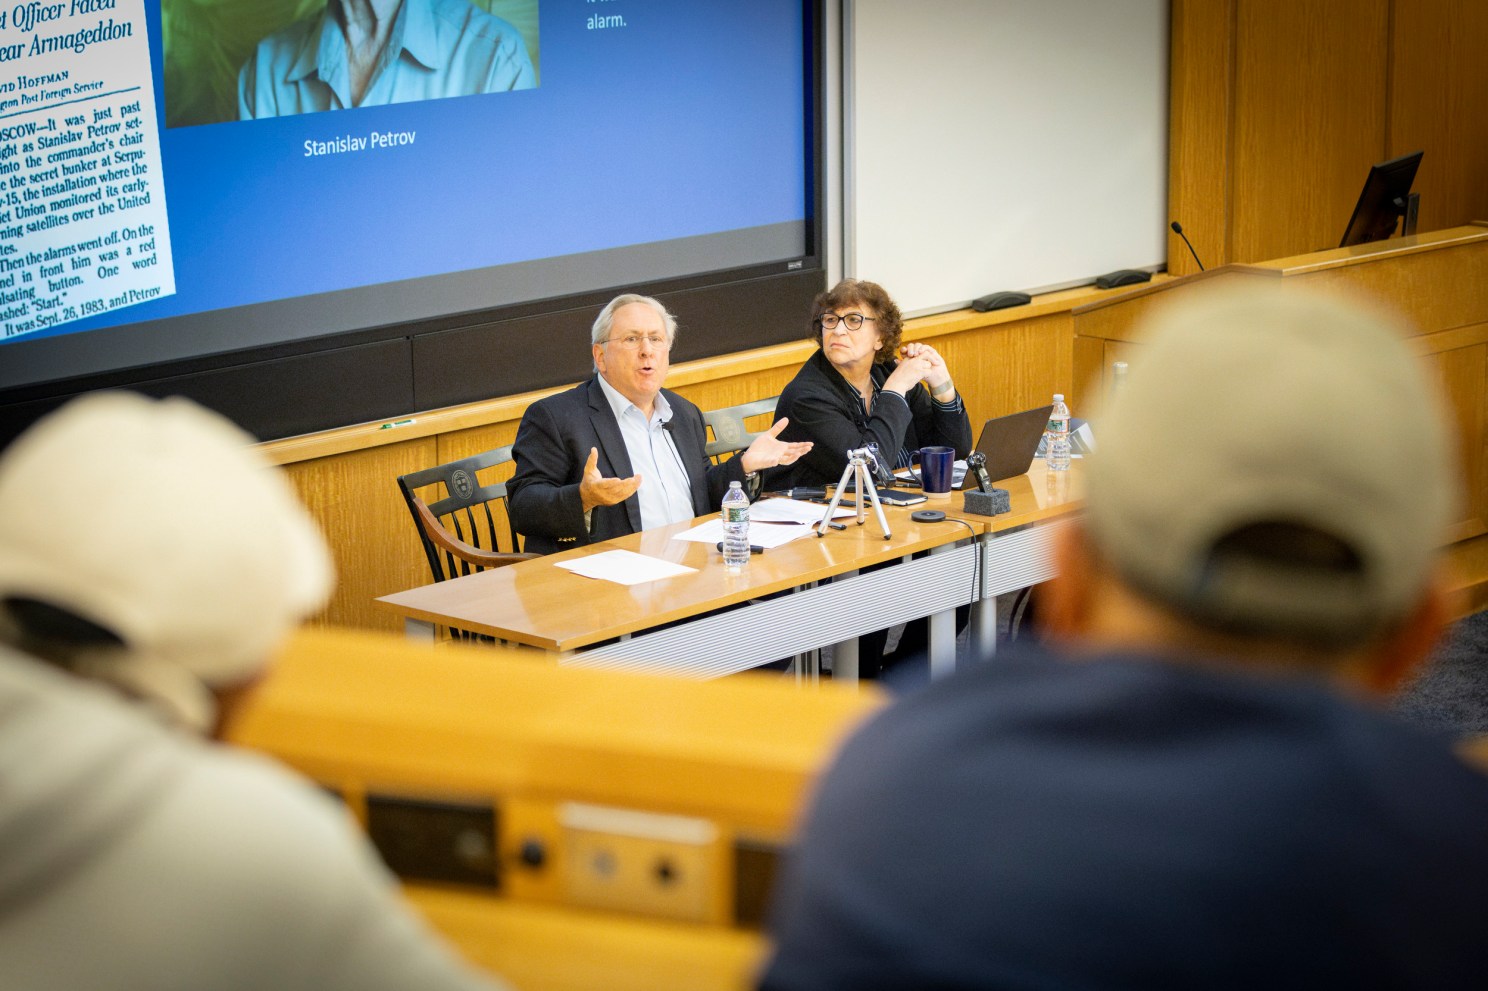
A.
x: 665, y: 493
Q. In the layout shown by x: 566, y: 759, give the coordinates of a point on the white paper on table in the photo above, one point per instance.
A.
x: 764, y: 535
x: 624, y: 567
x: 793, y: 511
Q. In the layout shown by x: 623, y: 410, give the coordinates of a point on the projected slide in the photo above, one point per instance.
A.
x: 83, y: 223
x: 185, y: 178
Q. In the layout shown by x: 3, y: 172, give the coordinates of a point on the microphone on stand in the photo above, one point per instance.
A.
x: 1178, y: 229
x: 676, y: 454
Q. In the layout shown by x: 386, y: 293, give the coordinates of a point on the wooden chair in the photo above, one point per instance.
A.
x: 730, y: 433
x: 460, y: 533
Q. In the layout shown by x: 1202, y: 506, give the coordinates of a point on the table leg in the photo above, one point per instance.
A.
x: 417, y: 629
x: 845, y: 661
x: 942, y: 639
x: 806, y: 667
x: 983, y: 641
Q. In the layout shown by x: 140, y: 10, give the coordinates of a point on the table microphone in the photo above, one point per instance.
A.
x: 976, y: 463
x: 1178, y: 229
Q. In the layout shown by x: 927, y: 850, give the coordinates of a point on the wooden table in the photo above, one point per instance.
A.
x: 712, y: 622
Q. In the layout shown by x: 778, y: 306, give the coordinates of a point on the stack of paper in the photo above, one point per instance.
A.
x: 772, y: 522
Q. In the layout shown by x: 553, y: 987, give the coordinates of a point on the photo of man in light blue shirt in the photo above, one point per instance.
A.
x: 361, y: 53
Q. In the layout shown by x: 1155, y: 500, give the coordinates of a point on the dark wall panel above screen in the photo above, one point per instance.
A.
x: 276, y: 398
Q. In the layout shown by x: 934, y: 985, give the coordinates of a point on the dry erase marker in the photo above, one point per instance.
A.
x: 753, y: 548
x: 397, y: 423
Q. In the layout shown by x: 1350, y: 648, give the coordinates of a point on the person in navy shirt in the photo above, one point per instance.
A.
x: 1191, y: 783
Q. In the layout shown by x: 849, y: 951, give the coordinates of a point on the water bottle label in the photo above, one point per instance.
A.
x: 1057, y: 426
x: 735, y: 514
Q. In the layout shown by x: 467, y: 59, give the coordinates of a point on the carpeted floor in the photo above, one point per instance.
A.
x: 1451, y: 692
x: 1448, y: 694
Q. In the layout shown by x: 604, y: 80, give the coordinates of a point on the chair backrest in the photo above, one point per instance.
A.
x: 460, y: 532
x: 729, y: 430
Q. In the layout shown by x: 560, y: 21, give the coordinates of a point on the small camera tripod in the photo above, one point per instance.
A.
x: 857, y: 470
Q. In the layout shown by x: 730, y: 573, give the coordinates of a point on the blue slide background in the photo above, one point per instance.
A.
x: 689, y: 120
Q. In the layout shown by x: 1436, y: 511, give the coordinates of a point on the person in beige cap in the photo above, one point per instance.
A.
x: 150, y: 563
x: 1191, y: 783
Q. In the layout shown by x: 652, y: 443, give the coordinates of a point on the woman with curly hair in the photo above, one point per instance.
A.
x: 863, y: 387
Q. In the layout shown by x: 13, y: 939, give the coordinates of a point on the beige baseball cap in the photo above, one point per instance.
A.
x: 1276, y: 464
x: 159, y: 521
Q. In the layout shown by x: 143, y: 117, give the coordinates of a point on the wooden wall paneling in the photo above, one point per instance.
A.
x: 1106, y: 330
x: 1443, y: 292
x: 1468, y: 561
x: 354, y: 497
x: 1199, y: 131
x: 1006, y: 366
x: 474, y: 440
x: 1434, y: 290
x: 737, y: 389
x: 1090, y: 365
x: 1464, y: 374
x: 1310, y: 91
x: 1120, y: 317
x: 1439, y: 104
x: 1096, y: 371
x: 1017, y: 366
x: 1120, y: 351
x: 1460, y: 364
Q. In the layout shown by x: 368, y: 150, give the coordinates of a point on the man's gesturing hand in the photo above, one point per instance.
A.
x: 596, y: 490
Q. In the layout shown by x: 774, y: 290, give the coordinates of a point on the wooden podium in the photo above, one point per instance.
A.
x: 1438, y: 281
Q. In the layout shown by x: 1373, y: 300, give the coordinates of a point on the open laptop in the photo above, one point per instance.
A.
x: 1009, y: 443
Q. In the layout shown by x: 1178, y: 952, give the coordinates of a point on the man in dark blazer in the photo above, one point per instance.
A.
x: 618, y: 453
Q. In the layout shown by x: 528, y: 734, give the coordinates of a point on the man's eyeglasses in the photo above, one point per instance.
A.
x: 632, y: 342
x: 854, y: 321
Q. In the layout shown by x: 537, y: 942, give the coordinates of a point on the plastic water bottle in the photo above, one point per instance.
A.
x: 735, y: 527
x: 1057, y: 455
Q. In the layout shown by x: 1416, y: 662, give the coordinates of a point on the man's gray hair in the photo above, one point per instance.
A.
x: 606, y: 319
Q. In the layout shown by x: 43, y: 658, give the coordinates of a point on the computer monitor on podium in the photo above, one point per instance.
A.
x: 1384, y: 201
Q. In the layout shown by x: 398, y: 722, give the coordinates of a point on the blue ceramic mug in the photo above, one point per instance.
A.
x: 937, y: 468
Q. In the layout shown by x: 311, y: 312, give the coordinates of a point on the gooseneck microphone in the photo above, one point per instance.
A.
x: 1178, y: 229
x: 676, y: 454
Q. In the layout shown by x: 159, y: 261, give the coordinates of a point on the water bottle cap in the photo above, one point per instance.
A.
x: 733, y: 485
x: 1059, y: 397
